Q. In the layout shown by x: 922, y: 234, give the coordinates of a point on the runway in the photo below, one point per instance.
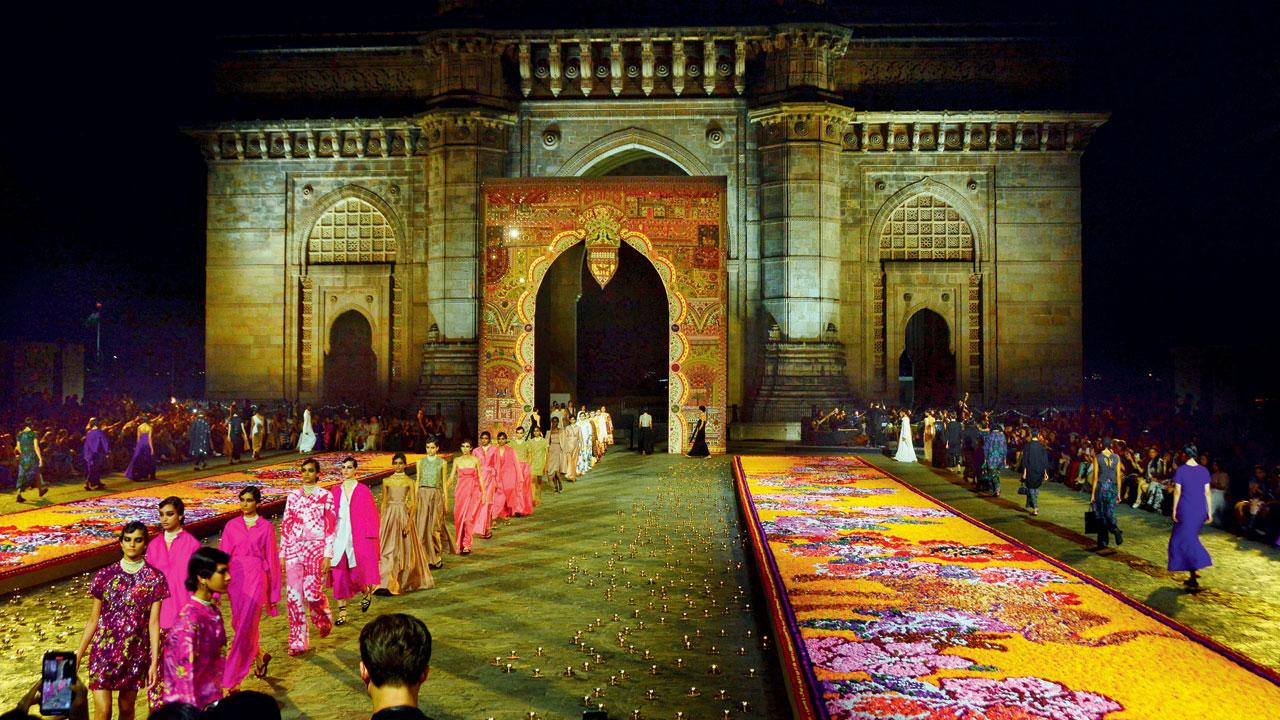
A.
x: 889, y: 603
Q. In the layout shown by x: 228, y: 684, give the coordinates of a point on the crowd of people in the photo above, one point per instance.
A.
x: 157, y: 621
x: 1117, y: 455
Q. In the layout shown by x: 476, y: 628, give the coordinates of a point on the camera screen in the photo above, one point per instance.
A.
x: 56, y: 677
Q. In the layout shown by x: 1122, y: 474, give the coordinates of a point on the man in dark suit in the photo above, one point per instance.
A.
x: 955, y: 432
x: 1035, y: 470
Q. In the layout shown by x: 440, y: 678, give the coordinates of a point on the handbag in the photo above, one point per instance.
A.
x: 1092, y: 525
x: 1022, y: 489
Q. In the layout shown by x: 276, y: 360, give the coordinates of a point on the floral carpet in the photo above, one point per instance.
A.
x: 41, y: 537
x: 889, y: 604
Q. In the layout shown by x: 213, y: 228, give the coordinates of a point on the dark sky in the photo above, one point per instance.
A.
x: 102, y: 197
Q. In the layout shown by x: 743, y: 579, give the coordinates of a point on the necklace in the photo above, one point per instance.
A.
x: 131, y: 566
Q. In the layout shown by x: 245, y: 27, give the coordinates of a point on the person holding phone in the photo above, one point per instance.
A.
x: 122, y: 635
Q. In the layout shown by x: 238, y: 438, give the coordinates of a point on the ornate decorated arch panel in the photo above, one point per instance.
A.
x: 678, y: 224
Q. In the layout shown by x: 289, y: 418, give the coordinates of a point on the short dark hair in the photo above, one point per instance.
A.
x: 253, y: 490
x: 395, y: 649
x: 135, y: 526
x: 203, y: 563
x: 485, y: 434
x: 502, y: 434
x: 311, y: 461
x: 400, y: 456
x: 350, y: 459
x: 177, y: 504
x: 175, y: 711
x: 702, y: 408
x: 246, y: 703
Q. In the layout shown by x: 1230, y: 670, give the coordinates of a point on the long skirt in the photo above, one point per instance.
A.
x: 467, y: 507
x: 430, y: 526
x: 402, y: 564
x: 246, y: 616
x: 523, y: 503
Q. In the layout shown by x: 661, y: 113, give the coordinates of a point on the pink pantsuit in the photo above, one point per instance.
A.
x: 306, y: 537
x: 255, y: 583
x: 193, y: 662
x: 488, y: 456
x: 350, y: 579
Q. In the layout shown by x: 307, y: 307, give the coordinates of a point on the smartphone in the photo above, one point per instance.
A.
x: 58, y: 672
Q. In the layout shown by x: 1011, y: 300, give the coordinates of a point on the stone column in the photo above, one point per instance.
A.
x: 799, y: 146
x: 463, y: 148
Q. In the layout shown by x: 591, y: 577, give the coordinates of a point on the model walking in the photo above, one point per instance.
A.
x: 170, y: 554
x: 193, y: 650
x: 1106, y: 492
x: 554, y: 457
x: 96, y: 452
x: 199, y: 441
x: 306, y: 534
x: 487, y: 455
x: 470, y: 486
x: 122, y: 635
x: 255, y: 585
x: 402, y: 565
x: 29, y: 460
x: 235, y: 434
x: 307, y: 437
x: 143, y: 464
x: 906, y: 448
x: 354, y: 555
x: 433, y: 498
x: 1191, y: 502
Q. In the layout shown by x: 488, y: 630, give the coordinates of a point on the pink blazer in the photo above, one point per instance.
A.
x: 364, y: 530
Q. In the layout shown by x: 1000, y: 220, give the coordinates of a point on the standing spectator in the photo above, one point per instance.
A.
x: 1219, y: 483
x: 1035, y: 470
x: 395, y: 655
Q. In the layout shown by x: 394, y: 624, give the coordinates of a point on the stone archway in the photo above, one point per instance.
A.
x: 677, y: 224
x: 350, y: 365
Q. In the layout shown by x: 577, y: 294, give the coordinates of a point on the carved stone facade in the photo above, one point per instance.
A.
x: 843, y: 218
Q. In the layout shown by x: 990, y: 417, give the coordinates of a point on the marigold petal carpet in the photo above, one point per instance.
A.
x: 890, y: 604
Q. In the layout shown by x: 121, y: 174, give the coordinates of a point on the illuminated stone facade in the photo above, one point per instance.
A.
x: 843, y: 218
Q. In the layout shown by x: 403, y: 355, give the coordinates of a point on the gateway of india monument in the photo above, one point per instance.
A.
x: 837, y: 209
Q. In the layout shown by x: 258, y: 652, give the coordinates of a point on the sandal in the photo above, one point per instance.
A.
x: 342, y: 617
x: 365, y: 602
x: 260, y: 669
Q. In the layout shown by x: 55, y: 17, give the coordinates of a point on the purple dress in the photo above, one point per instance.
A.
x: 143, y: 465
x: 120, y: 649
x: 1186, y: 552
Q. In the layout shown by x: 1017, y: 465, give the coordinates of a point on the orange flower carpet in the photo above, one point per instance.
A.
x: 889, y: 604
x: 36, y: 539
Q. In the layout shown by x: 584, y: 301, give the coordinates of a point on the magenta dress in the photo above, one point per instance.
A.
x: 467, y: 508
x: 120, y: 649
x: 171, y: 560
x: 505, y: 492
x: 255, y: 583
x: 193, y: 663
x: 1186, y: 552
x: 142, y: 466
x: 488, y: 457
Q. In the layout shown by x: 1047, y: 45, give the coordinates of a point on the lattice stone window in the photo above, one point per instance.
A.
x: 925, y: 227
x: 352, y: 231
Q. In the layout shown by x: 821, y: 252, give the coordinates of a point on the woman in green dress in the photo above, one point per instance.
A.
x: 29, y: 460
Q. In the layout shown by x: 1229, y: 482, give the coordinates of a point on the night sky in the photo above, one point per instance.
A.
x: 102, y: 196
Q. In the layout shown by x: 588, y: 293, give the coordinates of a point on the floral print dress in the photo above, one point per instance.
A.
x: 120, y: 650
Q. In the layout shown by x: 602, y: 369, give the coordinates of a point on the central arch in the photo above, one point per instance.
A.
x: 350, y: 366
x: 676, y: 224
